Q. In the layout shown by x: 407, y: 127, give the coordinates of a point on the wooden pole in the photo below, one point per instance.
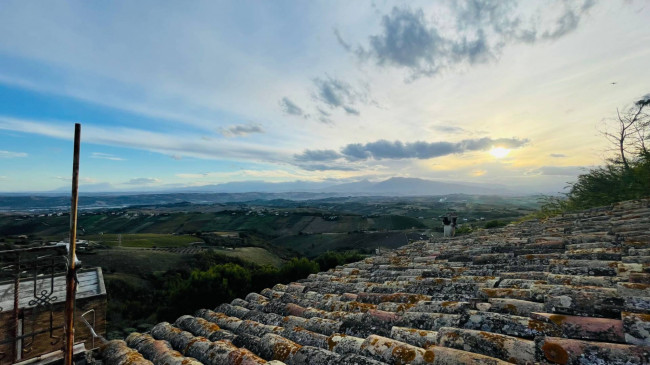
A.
x: 17, y: 329
x: 71, y: 283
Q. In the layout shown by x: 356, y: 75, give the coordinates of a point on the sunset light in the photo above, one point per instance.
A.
x: 499, y: 152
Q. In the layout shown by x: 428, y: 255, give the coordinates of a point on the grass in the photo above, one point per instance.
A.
x: 314, y: 244
x: 255, y: 255
x: 133, y: 261
x: 144, y: 240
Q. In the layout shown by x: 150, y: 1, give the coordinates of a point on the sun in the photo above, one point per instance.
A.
x: 499, y: 152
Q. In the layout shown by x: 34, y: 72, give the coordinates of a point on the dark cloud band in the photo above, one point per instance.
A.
x: 384, y: 149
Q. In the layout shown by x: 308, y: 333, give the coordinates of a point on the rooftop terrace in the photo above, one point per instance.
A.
x: 572, y: 290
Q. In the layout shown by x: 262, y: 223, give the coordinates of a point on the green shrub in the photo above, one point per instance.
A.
x: 298, y: 268
x: 495, y: 224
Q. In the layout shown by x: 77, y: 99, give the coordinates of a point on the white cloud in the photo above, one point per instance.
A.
x: 170, y: 144
x: 82, y: 180
x: 143, y: 181
x: 241, y: 130
x: 11, y: 154
x: 106, y: 156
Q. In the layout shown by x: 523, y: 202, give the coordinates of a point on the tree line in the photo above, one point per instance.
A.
x: 213, y: 279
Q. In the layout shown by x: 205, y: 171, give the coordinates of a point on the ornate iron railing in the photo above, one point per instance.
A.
x: 32, y: 273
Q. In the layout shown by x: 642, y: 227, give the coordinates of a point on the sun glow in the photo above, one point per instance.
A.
x: 499, y: 152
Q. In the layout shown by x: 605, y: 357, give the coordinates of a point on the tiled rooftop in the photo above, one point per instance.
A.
x: 574, y: 289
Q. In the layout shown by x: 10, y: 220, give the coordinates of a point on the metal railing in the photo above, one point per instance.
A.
x: 31, y: 272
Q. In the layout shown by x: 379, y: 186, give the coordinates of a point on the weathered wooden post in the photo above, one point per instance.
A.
x: 71, y: 283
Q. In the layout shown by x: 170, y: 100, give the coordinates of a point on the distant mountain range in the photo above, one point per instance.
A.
x: 396, y: 186
x: 244, y: 191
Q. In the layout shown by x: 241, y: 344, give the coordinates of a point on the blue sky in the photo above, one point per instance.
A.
x: 192, y: 93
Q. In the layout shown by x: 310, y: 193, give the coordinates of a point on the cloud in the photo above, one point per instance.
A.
x: 11, y: 154
x: 318, y: 155
x: 193, y: 175
x: 478, y: 33
x: 558, y: 171
x: 558, y: 155
x: 176, y: 157
x: 406, y: 41
x: 449, y: 129
x: 568, y: 21
x: 142, y: 181
x: 339, y: 94
x: 342, y: 42
x: 290, y: 107
x: 327, y: 167
x: 241, y: 130
x: 323, y: 116
x: 106, y: 156
x: 246, y: 174
x: 478, y: 173
x: 384, y: 149
x: 82, y: 180
x: 183, y: 143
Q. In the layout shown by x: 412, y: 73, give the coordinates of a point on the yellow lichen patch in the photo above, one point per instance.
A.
x: 557, y: 319
x: 212, y: 327
x: 429, y: 356
x: 133, y: 357
x: 555, y: 353
x: 511, y: 308
x: 403, y: 355
x: 193, y: 341
x: 414, y: 298
x: 495, y: 339
x: 331, y: 342
x: 452, y: 335
x: 281, y: 350
x: 635, y: 286
x: 644, y: 317
x: 536, y: 325
x: 492, y: 293
x: 447, y: 304
x: 360, y: 307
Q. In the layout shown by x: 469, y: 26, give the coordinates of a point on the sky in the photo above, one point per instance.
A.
x: 173, y: 94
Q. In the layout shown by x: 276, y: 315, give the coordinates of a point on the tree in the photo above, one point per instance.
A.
x: 626, y: 176
x: 632, y: 129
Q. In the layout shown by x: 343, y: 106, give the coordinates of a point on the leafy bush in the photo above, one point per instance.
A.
x: 464, y: 229
x: 495, y: 224
x: 298, y: 268
x: 331, y: 259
